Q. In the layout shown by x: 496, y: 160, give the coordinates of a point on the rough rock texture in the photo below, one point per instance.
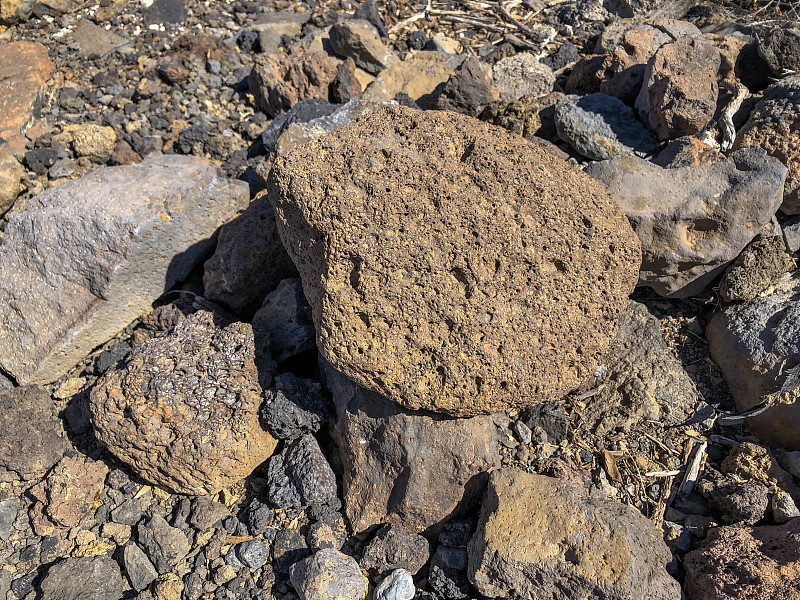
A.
x: 328, y: 575
x: 599, y: 127
x: 32, y: 438
x: 643, y: 378
x: 687, y: 151
x: 765, y: 260
x: 680, y: 88
x: 141, y: 572
x: 90, y: 139
x: 100, y: 579
x: 10, y: 176
x: 520, y: 117
x: 746, y: 563
x: 469, y: 89
x: 395, y: 547
x: 24, y: 71
x: 744, y: 501
x: 359, y: 40
x: 398, y: 585
x: 624, y: 68
x: 285, y: 318
x: 544, y: 538
x: 183, y: 410
x: 153, y: 222
x: 671, y: 9
x: 513, y: 263
x: 779, y: 46
x: 294, y: 407
x: 774, y: 125
x: 419, y: 76
x: 522, y: 75
x: 279, y: 81
x: 298, y: 133
x: 300, y: 476
x: 418, y: 470
x: 693, y: 221
x: 249, y: 261
x: 165, y: 546
x: 750, y: 342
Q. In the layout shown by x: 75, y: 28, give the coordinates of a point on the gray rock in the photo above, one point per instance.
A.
x: 693, y: 221
x: 253, y: 553
x: 99, y: 579
x: 522, y: 75
x: 759, y: 265
x: 418, y: 470
x: 249, y: 262
x: 753, y: 343
x: 469, y: 90
x: 32, y: 438
x: 398, y: 585
x: 294, y: 407
x: 328, y: 575
x: 8, y: 513
x: 669, y: 9
x: 791, y: 234
x: 300, y: 476
x: 165, y: 546
x: 783, y: 507
x: 285, y: 317
x: 360, y: 41
x: 779, y: 46
x: 168, y: 12
x: 206, y: 512
x: 93, y: 40
x: 601, y: 127
x: 288, y: 548
x: 542, y: 537
x: 302, y: 112
x: 129, y: 513
x: 5, y: 583
x: 154, y: 221
x: 395, y: 547
x: 140, y: 570
x: 745, y: 501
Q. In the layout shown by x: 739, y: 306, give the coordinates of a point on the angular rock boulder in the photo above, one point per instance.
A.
x: 544, y: 538
x: 182, y: 411
x: 419, y: 75
x: 100, y: 579
x: 416, y: 469
x: 450, y: 265
x: 79, y: 262
x: 693, y: 221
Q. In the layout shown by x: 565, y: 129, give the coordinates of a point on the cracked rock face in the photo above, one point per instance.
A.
x: 183, y: 410
x: 450, y: 265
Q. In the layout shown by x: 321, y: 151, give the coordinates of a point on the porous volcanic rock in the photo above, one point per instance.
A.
x: 453, y: 266
x: 780, y: 48
x: 183, y: 409
x: 693, y: 221
x: 746, y: 563
x: 544, y: 538
x: 88, y: 578
x: 81, y: 261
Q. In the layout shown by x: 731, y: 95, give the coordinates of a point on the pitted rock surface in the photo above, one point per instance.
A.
x: 183, y: 411
x: 450, y: 265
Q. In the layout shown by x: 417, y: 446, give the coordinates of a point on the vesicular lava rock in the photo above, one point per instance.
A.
x: 453, y: 266
x: 183, y: 410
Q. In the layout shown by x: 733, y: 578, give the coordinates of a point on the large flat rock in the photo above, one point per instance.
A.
x: 451, y: 265
x: 79, y: 262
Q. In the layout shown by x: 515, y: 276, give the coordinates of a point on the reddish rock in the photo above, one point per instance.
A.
x: 679, y: 95
x: 24, y: 71
x: 587, y: 75
x: 687, y: 152
x: 746, y: 563
x: 625, y: 67
x: 453, y: 266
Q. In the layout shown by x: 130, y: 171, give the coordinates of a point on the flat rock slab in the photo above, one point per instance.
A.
x: 100, y: 579
x: 544, y: 538
x: 450, y: 265
x: 79, y: 262
x: 693, y: 221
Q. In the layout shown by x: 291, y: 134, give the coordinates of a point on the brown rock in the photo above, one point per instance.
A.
x: 730, y: 48
x: 687, y: 152
x: 418, y: 76
x: 10, y: 176
x: 453, y: 267
x: 70, y: 492
x: 418, y: 470
x: 765, y: 260
x: 32, y: 438
x: 746, y: 563
x: 24, y: 71
x: 679, y: 95
x: 520, y: 116
x: 88, y: 139
x: 625, y: 67
x: 587, y: 75
x: 543, y: 538
x: 279, y: 81
x: 358, y: 39
x: 183, y: 411
x: 751, y: 461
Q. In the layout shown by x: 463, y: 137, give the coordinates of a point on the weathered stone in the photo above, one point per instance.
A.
x: 522, y: 75
x: 88, y: 139
x: 546, y: 538
x: 154, y: 220
x: 165, y: 546
x: 206, y: 512
x: 360, y: 41
x: 70, y: 492
x: 744, y: 501
x: 773, y: 125
x: 169, y: 12
x: 395, y: 547
x: 296, y: 133
x: 249, y: 261
x: 203, y: 376
x: 253, y: 553
x: 328, y: 575
x: 783, y: 507
x: 624, y: 68
x: 279, y: 81
x: 779, y: 46
x: 599, y: 127
x: 302, y: 112
x: 285, y: 318
x: 32, y: 439
x: 418, y: 76
x: 679, y: 95
x: 95, y: 41
x: 693, y: 221
x: 643, y: 379
x: 168, y: 587
x: 288, y: 548
x: 469, y: 89
x: 520, y: 117
x: 587, y: 75
x: 671, y: 9
x: 294, y: 407
x: 140, y: 570
x: 419, y: 469
x: 300, y: 476
x: 12, y: 11
x: 688, y: 151
x: 752, y: 342
x: 746, y: 563
x: 8, y: 514
x: 100, y: 579
x: 24, y: 71
x: 749, y: 461
x: 499, y: 298
x: 397, y: 585
x: 10, y: 177
x: 762, y: 262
